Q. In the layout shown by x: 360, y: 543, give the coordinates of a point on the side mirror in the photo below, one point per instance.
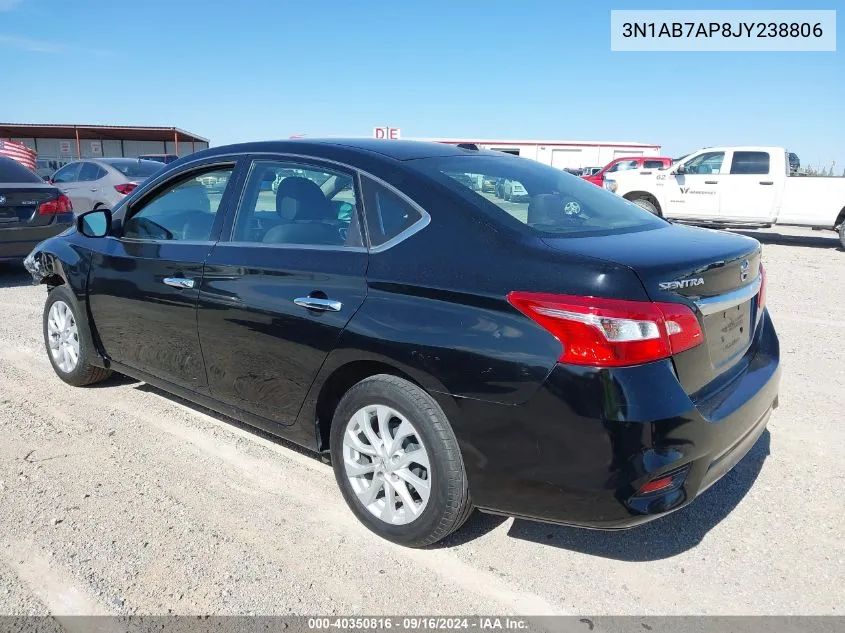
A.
x: 96, y: 223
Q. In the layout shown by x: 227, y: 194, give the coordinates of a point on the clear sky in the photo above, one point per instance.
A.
x: 534, y: 69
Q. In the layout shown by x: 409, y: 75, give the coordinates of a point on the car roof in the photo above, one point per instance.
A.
x: 397, y: 150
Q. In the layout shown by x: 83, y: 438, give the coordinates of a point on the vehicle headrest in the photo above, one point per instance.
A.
x: 302, y: 199
x: 544, y: 208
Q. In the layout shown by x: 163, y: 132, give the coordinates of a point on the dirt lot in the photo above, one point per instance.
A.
x: 120, y: 499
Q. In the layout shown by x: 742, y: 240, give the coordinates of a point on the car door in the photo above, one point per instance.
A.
x: 693, y: 191
x: 87, y: 186
x: 749, y: 193
x: 144, y: 282
x: 277, y: 294
x: 67, y: 180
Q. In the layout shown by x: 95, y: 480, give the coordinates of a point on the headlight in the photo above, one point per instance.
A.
x: 611, y: 185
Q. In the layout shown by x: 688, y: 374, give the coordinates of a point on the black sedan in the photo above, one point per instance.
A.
x: 31, y: 210
x: 571, y: 359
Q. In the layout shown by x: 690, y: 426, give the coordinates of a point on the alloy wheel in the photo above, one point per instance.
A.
x: 387, y: 464
x: 63, y: 336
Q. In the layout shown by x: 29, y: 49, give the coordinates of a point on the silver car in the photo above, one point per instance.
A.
x: 102, y: 182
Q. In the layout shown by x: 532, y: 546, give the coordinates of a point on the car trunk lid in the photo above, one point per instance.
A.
x: 19, y: 204
x: 717, y: 274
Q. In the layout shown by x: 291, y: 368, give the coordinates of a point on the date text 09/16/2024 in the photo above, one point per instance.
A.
x: 412, y: 623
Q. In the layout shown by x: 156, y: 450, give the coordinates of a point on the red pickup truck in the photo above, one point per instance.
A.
x: 631, y: 162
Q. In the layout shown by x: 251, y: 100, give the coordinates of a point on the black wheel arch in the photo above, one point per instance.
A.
x: 57, y: 262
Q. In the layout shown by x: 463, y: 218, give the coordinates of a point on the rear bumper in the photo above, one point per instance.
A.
x: 580, y: 450
x: 17, y: 242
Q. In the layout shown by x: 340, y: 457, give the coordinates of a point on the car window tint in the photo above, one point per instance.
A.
x: 89, y: 172
x: 707, y: 163
x: 12, y: 171
x: 182, y: 210
x: 623, y: 165
x: 68, y: 173
x: 553, y: 201
x: 136, y: 168
x: 291, y: 204
x: 388, y: 214
x: 750, y: 163
x: 653, y: 164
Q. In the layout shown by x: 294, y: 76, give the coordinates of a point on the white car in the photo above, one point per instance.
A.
x: 736, y: 186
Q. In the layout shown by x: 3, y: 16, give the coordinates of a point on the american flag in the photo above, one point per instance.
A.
x: 21, y: 153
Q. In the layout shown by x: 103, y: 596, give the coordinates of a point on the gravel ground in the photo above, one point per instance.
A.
x: 120, y: 499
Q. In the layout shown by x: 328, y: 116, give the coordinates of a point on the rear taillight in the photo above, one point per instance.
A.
x: 126, y: 188
x: 611, y: 332
x: 761, y: 295
x: 61, y: 204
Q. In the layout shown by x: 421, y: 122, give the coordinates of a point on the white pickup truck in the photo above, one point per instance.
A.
x: 734, y: 186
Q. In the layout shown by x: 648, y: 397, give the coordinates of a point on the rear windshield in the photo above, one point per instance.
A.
x: 13, y: 171
x: 547, y: 200
x: 136, y: 168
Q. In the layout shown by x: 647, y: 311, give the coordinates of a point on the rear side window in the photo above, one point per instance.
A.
x: 137, y: 168
x: 388, y: 214
x: 90, y: 171
x: 750, y: 163
x: 537, y: 196
x: 13, y: 171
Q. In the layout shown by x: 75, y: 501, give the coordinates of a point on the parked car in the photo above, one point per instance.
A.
x: 30, y: 210
x: 160, y: 158
x: 586, y: 363
x: 514, y: 191
x: 102, y: 182
x: 624, y: 164
x: 751, y: 186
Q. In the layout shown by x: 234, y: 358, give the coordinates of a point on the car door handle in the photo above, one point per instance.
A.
x: 179, y: 282
x: 766, y: 182
x: 316, y: 303
x: 711, y: 182
x: 95, y: 189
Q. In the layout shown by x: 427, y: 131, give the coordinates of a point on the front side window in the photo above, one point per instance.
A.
x: 68, y: 173
x: 548, y: 201
x: 291, y: 204
x: 708, y: 163
x: 750, y: 163
x: 183, y: 210
x: 623, y: 165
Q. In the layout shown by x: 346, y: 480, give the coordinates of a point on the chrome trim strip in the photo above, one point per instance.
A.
x: 227, y: 159
x: 712, y: 305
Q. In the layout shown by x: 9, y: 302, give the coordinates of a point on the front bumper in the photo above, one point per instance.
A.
x: 17, y: 242
x: 581, y: 448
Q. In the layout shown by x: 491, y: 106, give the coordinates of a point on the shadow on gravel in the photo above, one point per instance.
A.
x: 143, y: 386
x: 14, y: 276
x: 662, y: 538
x: 824, y: 239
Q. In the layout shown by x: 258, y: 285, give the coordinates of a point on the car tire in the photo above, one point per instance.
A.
x: 842, y: 235
x: 377, y: 481
x: 68, y: 348
x: 648, y: 205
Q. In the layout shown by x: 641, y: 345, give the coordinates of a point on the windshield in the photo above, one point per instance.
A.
x: 13, y: 171
x: 545, y: 199
x: 136, y: 168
